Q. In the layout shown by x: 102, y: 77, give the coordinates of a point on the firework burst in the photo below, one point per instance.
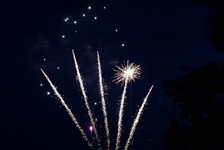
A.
x: 123, y: 74
x: 128, y: 71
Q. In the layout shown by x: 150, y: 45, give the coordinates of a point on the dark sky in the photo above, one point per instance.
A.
x: 159, y: 35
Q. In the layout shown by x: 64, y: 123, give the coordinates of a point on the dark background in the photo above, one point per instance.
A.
x: 178, y: 44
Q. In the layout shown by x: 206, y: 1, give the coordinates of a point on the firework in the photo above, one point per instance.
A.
x: 67, y: 108
x: 85, y: 98
x: 136, y: 120
x: 128, y: 72
x: 120, y: 115
x: 124, y: 74
x: 103, y: 101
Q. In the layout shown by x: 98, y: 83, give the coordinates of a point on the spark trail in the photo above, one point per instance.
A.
x: 121, y: 115
x: 136, y: 120
x: 86, y: 99
x: 103, y: 101
x: 67, y: 109
x: 124, y: 74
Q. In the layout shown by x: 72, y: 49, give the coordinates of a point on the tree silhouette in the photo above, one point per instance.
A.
x: 199, y: 102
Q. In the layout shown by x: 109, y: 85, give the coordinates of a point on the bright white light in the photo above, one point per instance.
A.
x: 58, y: 68
x: 75, y: 22
x: 123, y: 45
x: 95, y: 103
x: 104, y: 7
x: 95, y: 18
x: 91, y: 128
x: 41, y: 84
x: 48, y: 93
x: 116, y: 30
x: 89, y: 7
x: 63, y: 36
x: 128, y: 71
x: 66, y: 19
x: 44, y: 59
x: 83, y: 15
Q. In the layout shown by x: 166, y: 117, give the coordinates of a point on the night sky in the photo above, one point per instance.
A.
x: 158, y: 35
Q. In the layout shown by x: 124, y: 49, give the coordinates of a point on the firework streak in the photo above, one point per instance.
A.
x: 67, y: 109
x: 136, y: 120
x: 123, y: 74
x: 103, y: 101
x: 121, y: 115
x: 85, y: 98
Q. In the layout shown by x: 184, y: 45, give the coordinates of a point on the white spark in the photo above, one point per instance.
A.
x: 89, y: 7
x: 67, y: 108
x: 85, y: 97
x: 75, y: 22
x: 95, y: 18
x: 120, y: 115
x: 63, y: 36
x: 124, y: 74
x: 122, y: 44
x: 128, y: 72
x: 83, y: 15
x: 136, y: 120
x: 103, y: 101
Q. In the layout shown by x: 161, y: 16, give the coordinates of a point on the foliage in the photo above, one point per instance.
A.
x: 199, y: 101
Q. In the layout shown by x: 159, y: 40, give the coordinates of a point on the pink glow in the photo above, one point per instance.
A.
x: 91, y: 128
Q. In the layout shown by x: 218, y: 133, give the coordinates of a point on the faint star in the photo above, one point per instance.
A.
x: 48, y: 93
x: 41, y: 84
x: 123, y: 45
x: 66, y: 19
